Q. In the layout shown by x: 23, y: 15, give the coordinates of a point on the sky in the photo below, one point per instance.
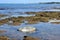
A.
x: 27, y: 1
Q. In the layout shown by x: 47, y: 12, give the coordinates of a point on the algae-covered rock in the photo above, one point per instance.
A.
x: 30, y: 38
x: 4, y: 38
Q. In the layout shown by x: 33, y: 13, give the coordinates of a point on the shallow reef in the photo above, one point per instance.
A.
x: 39, y: 17
x: 30, y: 38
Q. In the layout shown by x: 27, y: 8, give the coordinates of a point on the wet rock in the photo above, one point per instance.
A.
x: 39, y: 17
x: 16, y: 23
x: 4, y: 38
x: 3, y: 15
x: 55, y: 22
x: 4, y: 21
x: 30, y: 38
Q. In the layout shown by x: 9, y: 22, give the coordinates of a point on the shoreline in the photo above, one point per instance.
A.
x: 39, y: 17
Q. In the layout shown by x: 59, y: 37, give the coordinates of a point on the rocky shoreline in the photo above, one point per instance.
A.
x: 39, y: 17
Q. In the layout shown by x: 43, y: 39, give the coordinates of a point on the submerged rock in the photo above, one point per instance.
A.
x: 2, y: 31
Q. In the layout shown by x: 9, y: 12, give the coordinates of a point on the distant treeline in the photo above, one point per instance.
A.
x: 50, y: 3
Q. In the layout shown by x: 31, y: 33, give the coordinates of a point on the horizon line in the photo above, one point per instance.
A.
x: 23, y: 3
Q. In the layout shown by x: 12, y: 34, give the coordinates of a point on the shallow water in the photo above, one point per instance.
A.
x: 45, y: 31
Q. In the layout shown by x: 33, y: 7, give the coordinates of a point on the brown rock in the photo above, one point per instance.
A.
x: 2, y: 31
x: 4, y: 38
x: 30, y: 38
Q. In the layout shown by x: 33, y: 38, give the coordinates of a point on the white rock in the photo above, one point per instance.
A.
x: 27, y: 29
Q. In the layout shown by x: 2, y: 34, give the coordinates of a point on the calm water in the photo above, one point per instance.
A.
x: 29, y: 7
x: 45, y: 31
